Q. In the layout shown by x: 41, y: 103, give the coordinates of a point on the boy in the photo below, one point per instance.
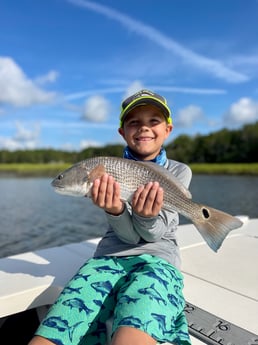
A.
x: 134, y: 275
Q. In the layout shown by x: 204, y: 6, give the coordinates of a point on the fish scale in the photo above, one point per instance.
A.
x: 142, y: 174
x: 213, y: 225
x: 137, y: 174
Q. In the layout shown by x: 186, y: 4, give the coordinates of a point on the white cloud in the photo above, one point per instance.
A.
x: 50, y: 77
x: 22, y: 139
x: 96, y: 109
x: 138, y: 85
x: 245, y: 110
x: 16, y: 89
x: 82, y: 94
x: 187, y: 116
x: 190, y: 90
x: 84, y: 144
x: 9, y: 144
x: 243, y: 60
x: 133, y: 88
x: 25, y: 135
x: 211, y: 66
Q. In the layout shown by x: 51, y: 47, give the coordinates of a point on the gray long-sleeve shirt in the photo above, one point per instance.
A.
x: 130, y: 234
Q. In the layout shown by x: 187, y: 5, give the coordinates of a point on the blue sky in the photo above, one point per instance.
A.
x: 66, y: 65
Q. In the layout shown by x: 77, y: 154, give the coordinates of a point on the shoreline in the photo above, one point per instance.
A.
x: 53, y: 169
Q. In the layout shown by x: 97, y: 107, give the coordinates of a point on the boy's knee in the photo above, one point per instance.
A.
x: 37, y: 340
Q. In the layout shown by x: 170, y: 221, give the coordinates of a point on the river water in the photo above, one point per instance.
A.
x: 33, y: 216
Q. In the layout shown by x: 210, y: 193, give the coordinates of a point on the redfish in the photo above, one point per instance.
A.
x: 213, y: 225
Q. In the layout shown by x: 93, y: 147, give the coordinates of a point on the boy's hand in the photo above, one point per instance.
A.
x: 148, y: 200
x: 105, y: 193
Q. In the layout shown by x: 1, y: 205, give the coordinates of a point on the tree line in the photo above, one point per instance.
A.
x: 224, y: 146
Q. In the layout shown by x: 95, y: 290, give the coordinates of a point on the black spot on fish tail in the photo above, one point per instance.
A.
x: 205, y: 213
x: 215, y: 225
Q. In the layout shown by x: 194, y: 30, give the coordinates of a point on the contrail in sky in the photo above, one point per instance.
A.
x: 211, y: 66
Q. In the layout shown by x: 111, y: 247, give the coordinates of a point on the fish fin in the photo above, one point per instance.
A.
x: 72, y: 329
x: 97, y: 172
x: 215, y: 226
x: 168, y: 175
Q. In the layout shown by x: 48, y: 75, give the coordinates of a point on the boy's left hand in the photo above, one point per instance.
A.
x: 148, y: 200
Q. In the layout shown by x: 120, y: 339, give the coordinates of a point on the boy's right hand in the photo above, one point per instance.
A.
x: 148, y: 200
x: 105, y: 193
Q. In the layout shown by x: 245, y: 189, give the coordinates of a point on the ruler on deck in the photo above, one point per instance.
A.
x: 212, y: 330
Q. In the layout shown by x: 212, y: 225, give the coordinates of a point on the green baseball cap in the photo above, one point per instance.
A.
x: 144, y: 97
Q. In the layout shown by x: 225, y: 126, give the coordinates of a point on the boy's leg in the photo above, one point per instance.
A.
x: 80, y: 313
x: 150, y: 304
x: 37, y: 340
x: 129, y: 336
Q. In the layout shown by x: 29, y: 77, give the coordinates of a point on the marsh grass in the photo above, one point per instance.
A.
x: 51, y: 170
x: 225, y: 168
x: 31, y: 169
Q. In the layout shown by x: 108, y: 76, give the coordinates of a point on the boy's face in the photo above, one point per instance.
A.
x: 145, y: 129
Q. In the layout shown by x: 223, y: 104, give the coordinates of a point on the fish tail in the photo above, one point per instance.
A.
x: 72, y: 329
x: 214, y: 226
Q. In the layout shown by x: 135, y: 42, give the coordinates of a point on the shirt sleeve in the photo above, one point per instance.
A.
x: 123, y: 226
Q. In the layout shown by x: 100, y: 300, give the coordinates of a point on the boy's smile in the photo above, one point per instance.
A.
x: 145, y: 129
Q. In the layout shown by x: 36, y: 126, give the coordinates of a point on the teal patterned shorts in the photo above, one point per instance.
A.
x: 144, y: 292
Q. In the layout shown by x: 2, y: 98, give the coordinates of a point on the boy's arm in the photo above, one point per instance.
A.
x: 123, y: 226
x: 152, y: 229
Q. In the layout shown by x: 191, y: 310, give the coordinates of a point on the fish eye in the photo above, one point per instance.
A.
x: 59, y: 177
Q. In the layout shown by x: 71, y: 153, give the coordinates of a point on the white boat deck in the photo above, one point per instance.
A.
x: 223, y: 283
